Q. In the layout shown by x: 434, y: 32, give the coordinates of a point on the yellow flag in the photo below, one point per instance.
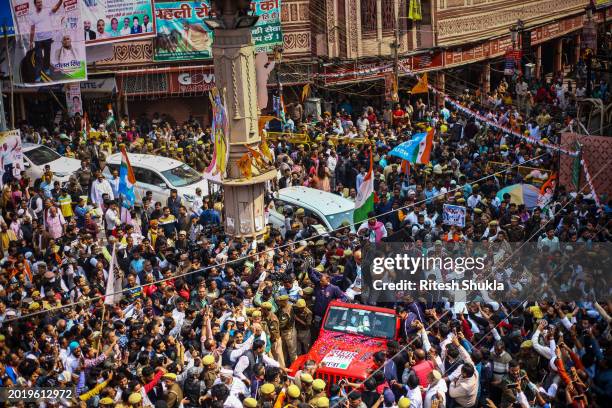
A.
x: 265, y: 149
x: 305, y: 91
x: 421, y: 86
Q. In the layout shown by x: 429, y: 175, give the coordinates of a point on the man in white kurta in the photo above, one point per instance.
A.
x: 100, y: 187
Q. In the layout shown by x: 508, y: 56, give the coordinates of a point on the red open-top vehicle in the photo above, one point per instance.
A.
x: 349, y: 337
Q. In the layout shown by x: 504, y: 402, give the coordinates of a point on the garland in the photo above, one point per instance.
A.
x: 589, y: 181
x: 495, y: 125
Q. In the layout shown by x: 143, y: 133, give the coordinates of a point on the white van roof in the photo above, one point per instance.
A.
x: 147, y: 161
x: 323, y: 201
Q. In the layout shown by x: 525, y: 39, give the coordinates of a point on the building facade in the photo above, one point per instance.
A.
x: 334, y: 44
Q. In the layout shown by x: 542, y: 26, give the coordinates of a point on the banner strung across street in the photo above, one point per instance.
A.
x: 50, y: 46
x: 108, y: 21
x: 11, y: 156
x: 182, y: 35
x: 74, y: 103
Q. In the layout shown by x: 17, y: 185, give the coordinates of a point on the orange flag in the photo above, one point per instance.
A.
x: 550, y: 183
x: 244, y: 165
x: 257, y: 156
x: 421, y: 86
x: 405, y: 168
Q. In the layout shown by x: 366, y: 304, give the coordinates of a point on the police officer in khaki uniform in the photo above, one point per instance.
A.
x: 199, y: 157
x: 515, y: 231
x: 322, y: 402
x: 318, y: 388
x: 174, y: 397
x: 308, y: 293
x: 249, y: 403
x: 294, y: 395
x: 286, y: 321
x: 272, y: 327
x: 135, y: 400
x: 210, y: 370
x: 303, y: 323
x: 479, y: 225
x: 306, y: 382
x: 267, y: 394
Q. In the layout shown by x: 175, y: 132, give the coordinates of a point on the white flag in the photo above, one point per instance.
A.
x: 109, y: 295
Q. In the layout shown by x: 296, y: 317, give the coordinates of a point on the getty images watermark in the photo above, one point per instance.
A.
x: 405, y: 263
x: 486, y: 271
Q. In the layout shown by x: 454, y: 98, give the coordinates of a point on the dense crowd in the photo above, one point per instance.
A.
x: 207, y: 320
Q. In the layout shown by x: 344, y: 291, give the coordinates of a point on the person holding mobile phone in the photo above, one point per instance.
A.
x: 513, y: 384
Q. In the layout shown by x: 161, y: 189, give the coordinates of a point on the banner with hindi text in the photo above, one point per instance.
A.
x: 182, y: 35
x: 50, y: 48
x: 107, y: 21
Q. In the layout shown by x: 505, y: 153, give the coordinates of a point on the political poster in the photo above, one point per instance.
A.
x: 50, y: 48
x: 267, y: 32
x: 107, y: 21
x: 454, y: 215
x: 74, y: 103
x: 339, y: 359
x: 11, y: 156
x: 6, y: 19
x: 182, y: 35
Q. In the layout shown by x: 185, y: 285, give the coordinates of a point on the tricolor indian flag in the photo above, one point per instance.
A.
x: 364, y: 203
x: 127, y: 180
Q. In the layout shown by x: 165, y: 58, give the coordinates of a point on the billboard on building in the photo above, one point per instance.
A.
x: 50, y: 48
x: 182, y: 35
x: 107, y: 21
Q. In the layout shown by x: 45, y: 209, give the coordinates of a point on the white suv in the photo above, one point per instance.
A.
x: 159, y: 175
x: 36, y: 157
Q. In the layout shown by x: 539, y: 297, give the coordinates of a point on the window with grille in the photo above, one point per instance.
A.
x: 368, y: 17
x: 388, y: 14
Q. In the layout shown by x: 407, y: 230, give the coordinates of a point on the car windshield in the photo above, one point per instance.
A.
x: 41, y: 155
x: 359, y: 321
x: 182, y: 175
x: 335, y: 220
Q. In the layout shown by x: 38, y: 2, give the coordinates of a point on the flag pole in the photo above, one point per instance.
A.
x: 107, y: 292
x: 101, y: 327
x: 11, y: 81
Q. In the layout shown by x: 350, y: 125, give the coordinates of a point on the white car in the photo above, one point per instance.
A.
x: 330, y: 210
x: 36, y: 157
x: 159, y: 175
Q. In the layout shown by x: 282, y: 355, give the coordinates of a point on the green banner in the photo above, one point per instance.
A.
x: 182, y: 35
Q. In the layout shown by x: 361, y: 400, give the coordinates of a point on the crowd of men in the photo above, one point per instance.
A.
x: 207, y: 320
